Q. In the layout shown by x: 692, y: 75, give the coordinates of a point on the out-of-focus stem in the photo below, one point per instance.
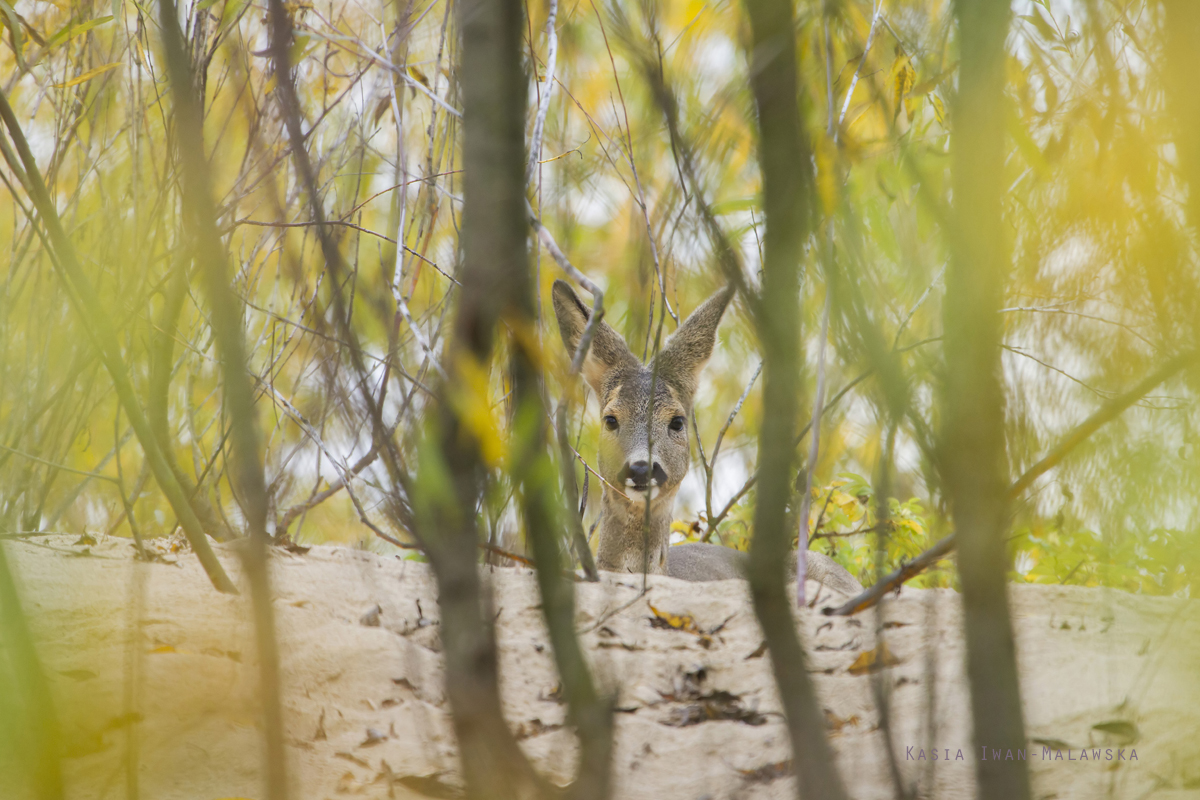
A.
x: 783, y: 164
x: 814, y: 450
x: 226, y: 312
x: 37, y: 732
x: 973, y: 459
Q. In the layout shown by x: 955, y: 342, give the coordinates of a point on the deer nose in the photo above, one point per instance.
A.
x: 639, y: 473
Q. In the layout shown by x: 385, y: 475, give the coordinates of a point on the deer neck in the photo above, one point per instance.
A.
x: 624, y: 537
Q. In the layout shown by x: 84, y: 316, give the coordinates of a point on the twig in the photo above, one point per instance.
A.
x: 814, y: 448
x: 736, y: 409
x: 712, y: 465
x: 1046, y: 310
x: 347, y: 474
x: 858, y: 70
x: 547, y: 87
x: 491, y: 548
x: 640, y: 197
x: 344, y: 224
x: 589, y: 332
x: 578, y: 541
x: 59, y: 467
x: 920, y: 301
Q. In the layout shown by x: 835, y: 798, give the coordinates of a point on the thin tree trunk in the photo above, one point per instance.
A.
x: 493, y: 241
x: 974, y: 465
x: 786, y: 186
x: 226, y: 314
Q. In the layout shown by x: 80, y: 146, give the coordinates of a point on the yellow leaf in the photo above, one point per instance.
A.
x: 848, y: 505
x: 419, y: 76
x: 903, y: 77
x: 939, y: 109
x: 873, y: 660
x: 678, y: 622
x: 925, y: 87
x: 87, y: 76
x: 912, y: 104
x: 471, y: 398
x: 302, y: 44
x: 524, y: 335
x: 141, y: 54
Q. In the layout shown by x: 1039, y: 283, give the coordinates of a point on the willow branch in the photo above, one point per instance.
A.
x: 1105, y: 414
x: 101, y: 326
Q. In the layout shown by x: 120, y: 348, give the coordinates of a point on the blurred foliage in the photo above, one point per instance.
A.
x: 1103, y: 285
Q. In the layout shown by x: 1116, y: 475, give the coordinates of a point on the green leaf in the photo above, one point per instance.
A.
x: 14, y: 26
x: 69, y: 31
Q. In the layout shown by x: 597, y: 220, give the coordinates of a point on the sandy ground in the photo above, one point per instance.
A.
x: 154, y: 673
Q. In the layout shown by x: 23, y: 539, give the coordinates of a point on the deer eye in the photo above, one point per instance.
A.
x: 677, y: 423
x: 610, y: 422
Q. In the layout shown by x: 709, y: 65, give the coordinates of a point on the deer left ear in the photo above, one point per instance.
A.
x: 690, y: 347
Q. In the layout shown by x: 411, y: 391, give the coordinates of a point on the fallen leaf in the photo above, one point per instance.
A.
x: 1119, y: 728
x: 320, y: 735
x: 873, y: 660
x: 370, y: 618
x: 677, y: 622
x: 767, y: 772
x: 714, y: 706
x: 534, y: 727
x: 353, y: 759
x: 285, y: 542
x: 835, y: 723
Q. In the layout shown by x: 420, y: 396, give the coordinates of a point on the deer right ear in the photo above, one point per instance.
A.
x: 608, y: 351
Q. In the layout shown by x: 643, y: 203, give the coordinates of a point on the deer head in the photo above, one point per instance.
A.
x: 644, y: 438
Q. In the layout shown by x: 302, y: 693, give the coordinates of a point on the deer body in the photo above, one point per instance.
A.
x: 644, y: 452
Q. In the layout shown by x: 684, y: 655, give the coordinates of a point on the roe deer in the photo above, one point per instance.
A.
x: 622, y: 384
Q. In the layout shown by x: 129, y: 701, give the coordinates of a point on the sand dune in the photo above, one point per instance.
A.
x: 147, y: 659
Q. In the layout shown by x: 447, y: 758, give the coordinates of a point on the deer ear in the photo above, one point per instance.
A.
x: 608, y: 351
x: 689, y: 348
